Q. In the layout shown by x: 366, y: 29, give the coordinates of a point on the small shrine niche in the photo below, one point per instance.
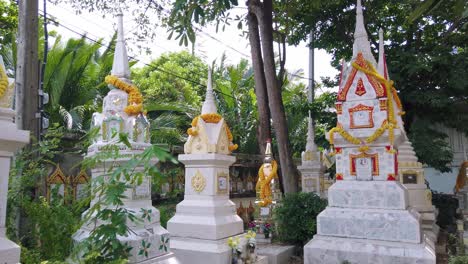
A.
x: 361, y: 116
x: 56, y: 184
x: 80, y: 186
x: 112, y: 125
x: 140, y: 129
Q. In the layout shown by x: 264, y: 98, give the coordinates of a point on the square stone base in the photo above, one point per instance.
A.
x: 277, y: 254
x: 201, y: 251
x: 9, y: 252
x: 333, y: 250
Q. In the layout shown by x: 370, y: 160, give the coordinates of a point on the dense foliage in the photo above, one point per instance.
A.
x: 296, y: 217
x: 44, y: 229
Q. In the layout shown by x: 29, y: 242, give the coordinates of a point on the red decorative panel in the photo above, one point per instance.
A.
x: 383, y: 104
x: 378, y: 87
x: 361, y: 116
x: 360, y: 89
x: 374, y: 159
x: 339, y: 108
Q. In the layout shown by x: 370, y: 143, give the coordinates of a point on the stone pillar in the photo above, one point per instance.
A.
x: 411, y: 175
x: 11, y: 139
x: 206, y: 218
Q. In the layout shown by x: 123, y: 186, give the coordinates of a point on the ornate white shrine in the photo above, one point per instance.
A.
x: 122, y: 113
x: 368, y: 218
x: 206, y: 218
x: 11, y: 140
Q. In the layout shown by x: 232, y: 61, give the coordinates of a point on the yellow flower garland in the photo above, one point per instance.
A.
x: 3, y: 82
x: 211, y: 118
x: 135, y: 99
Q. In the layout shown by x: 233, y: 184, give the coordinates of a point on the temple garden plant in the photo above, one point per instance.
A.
x: 43, y: 229
x: 108, y: 193
x: 296, y: 217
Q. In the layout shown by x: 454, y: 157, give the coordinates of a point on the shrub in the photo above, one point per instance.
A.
x: 458, y: 260
x: 296, y: 217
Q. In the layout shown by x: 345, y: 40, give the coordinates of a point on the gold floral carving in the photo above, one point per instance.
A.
x: 198, y: 182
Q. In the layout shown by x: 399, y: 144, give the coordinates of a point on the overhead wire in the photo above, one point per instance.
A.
x: 112, y: 47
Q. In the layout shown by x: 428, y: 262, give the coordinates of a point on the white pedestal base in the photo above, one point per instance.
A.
x: 201, y: 251
x: 277, y: 254
x: 332, y: 250
x: 9, y: 252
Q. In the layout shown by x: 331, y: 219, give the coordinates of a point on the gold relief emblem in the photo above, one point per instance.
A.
x: 198, y: 182
x: 308, y: 156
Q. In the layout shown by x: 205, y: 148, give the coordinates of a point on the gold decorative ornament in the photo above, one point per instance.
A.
x: 198, y: 182
x: 212, y: 118
x: 3, y: 82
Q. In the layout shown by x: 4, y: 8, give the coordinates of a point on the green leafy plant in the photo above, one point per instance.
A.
x: 108, y: 215
x: 43, y: 229
x: 458, y: 260
x: 296, y: 217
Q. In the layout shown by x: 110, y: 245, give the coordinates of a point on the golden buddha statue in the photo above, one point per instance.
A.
x: 267, y: 174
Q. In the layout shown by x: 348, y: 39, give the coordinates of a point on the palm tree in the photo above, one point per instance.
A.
x: 74, y: 79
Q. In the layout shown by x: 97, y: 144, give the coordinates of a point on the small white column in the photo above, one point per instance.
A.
x: 11, y: 139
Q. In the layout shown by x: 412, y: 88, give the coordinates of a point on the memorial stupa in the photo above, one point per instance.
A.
x: 122, y: 112
x: 206, y: 218
x: 368, y: 218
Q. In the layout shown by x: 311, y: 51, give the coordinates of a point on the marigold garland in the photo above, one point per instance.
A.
x: 3, y: 82
x: 135, y: 99
x: 263, y: 184
x: 211, y: 118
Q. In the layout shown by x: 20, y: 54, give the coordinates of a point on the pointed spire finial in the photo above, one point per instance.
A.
x: 268, y: 154
x: 209, y: 106
x: 382, y: 65
x: 361, y: 41
x: 120, y: 67
x: 310, y: 144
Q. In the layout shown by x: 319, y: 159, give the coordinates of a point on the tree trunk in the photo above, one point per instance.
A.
x: 288, y: 169
x: 27, y: 71
x: 263, y: 128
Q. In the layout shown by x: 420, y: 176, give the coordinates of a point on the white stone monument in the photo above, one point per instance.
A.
x: 368, y: 218
x: 116, y: 118
x: 411, y: 175
x: 11, y: 140
x: 206, y: 218
x: 312, y: 169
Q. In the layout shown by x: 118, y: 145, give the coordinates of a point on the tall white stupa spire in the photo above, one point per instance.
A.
x: 209, y: 105
x: 361, y: 41
x: 120, y: 67
x: 382, y: 65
